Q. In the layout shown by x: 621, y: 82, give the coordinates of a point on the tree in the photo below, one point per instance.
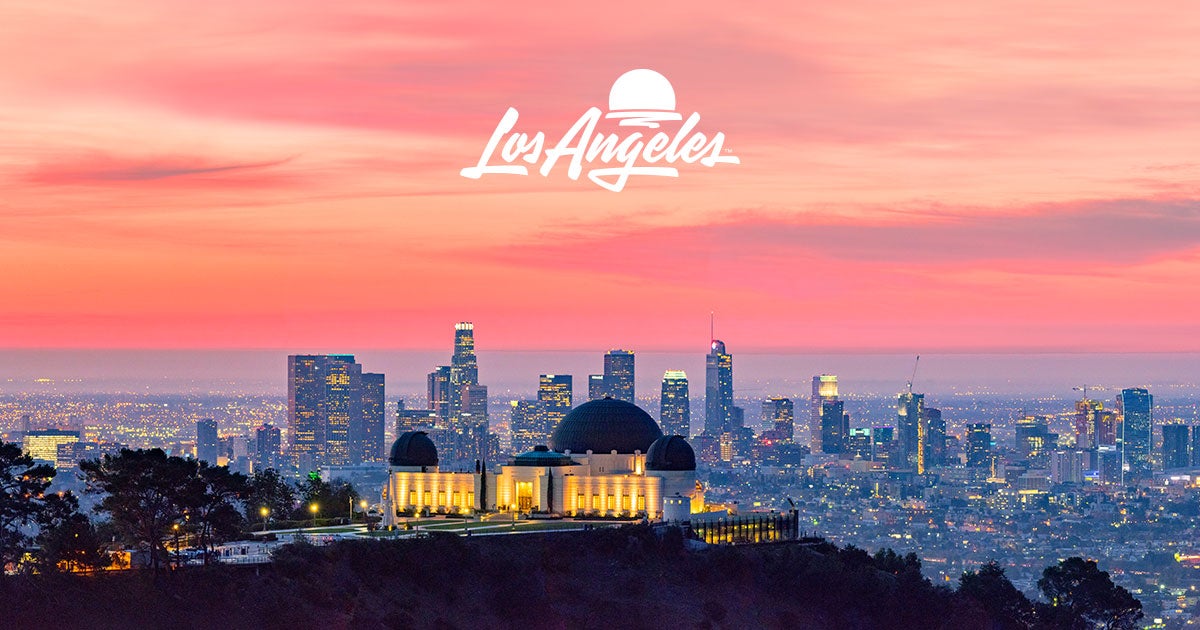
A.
x: 67, y: 540
x: 1079, y: 591
x: 1007, y: 606
x: 268, y: 489
x: 211, y: 503
x: 330, y: 497
x: 22, y: 485
x: 143, y: 494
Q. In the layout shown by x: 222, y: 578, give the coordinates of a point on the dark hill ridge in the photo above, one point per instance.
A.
x: 623, y: 578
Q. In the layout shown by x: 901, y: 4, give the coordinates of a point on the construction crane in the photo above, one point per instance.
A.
x: 914, y: 373
x: 1085, y: 388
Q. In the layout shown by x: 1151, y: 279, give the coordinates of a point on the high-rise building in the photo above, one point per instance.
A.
x: 619, y: 375
x: 525, y: 423
x: 1175, y: 446
x: 979, y: 445
x: 438, y: 387
x: 675, y: 409
x: 555, y: 400
x: 208, y: 447
x: 824, y: 387
x: 882, y: 439
x: 464, y: 369
x: 326, y: 410
x: 43, y: 444
x: 835, y: 426
x: 718, y: 389
x: 1033, y: 439
x: 910, y: 430
x: 371, y: 439
x: 1085, y: 423
x: 475, y: 400
x: 267, y: 440
x: 596, y: 389
x: 935, y: 442
x: 1106, y: 427
x: 860, y: 444
x: 1137, y: 428
x: 779, y: 416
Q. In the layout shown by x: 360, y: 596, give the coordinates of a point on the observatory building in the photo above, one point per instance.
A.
x: 607, y: 457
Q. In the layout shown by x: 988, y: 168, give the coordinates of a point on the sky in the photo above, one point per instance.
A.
x: 931, y: 176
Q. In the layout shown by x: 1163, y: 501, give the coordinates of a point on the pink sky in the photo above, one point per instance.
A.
x: 926, y: 175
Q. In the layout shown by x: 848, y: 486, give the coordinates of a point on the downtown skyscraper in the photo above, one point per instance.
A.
x: 911, y: 430
x: 329, y: 423
x: 619, y: 375
x: 824, y: 389
x: 718, y: 390
x: 675, y: 412
x: 1137, y: 430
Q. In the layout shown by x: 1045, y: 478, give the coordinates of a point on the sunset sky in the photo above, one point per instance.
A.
x: 925, y: 175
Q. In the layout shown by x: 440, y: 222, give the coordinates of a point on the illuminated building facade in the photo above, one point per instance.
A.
x: 1085, y: 422
x: 824, y: 387
x: 554, y: 398
x: 911, y: 431
x: 778, y: 413
x: 370, y: 440
x: 327, y: 417
x: 42, y: 445
x: 437, y: 386
x: 619, y: 375
x: 607, y: 457
x: 1137, y: 427
x: 675, y: 408
x: 718, y: 389
x: 935, y: 442
x: 595, y: 386
x: 267, y: 440
x: 1175, y: 446
x: 208, y: 446
x: 835, y: 426
x: 979, y: 445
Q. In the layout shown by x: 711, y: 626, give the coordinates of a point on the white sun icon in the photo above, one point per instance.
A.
x: 642, y: 98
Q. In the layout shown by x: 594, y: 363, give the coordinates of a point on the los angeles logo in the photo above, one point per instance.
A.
x: 639, y: 98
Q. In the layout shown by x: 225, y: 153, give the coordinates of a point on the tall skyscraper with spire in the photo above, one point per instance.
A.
x: 718, y: 390
x: 464, y: 370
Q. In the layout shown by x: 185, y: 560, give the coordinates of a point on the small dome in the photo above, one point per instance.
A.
x: 603, y: 426
x: 413, y: 448
x: 671, y: 453
x: 542, y: 456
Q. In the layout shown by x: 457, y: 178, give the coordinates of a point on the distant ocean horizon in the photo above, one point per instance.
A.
x: 515, y: 373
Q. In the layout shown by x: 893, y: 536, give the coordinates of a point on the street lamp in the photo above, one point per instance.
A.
x: 175, y: 529
x: 264, y: 511
x: 314, y: 508
x: 363, y: 504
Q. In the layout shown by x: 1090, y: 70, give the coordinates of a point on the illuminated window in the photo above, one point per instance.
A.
x: 428, y: 498
x: 412, y: 497
x: 595, y: 502
x: 580, y: 502
x: 625, y: 502
x: 641, y: 504
x: 442, y: 498
x: 456, y: 498
x: 612, y: 502
x: 470, y: 499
